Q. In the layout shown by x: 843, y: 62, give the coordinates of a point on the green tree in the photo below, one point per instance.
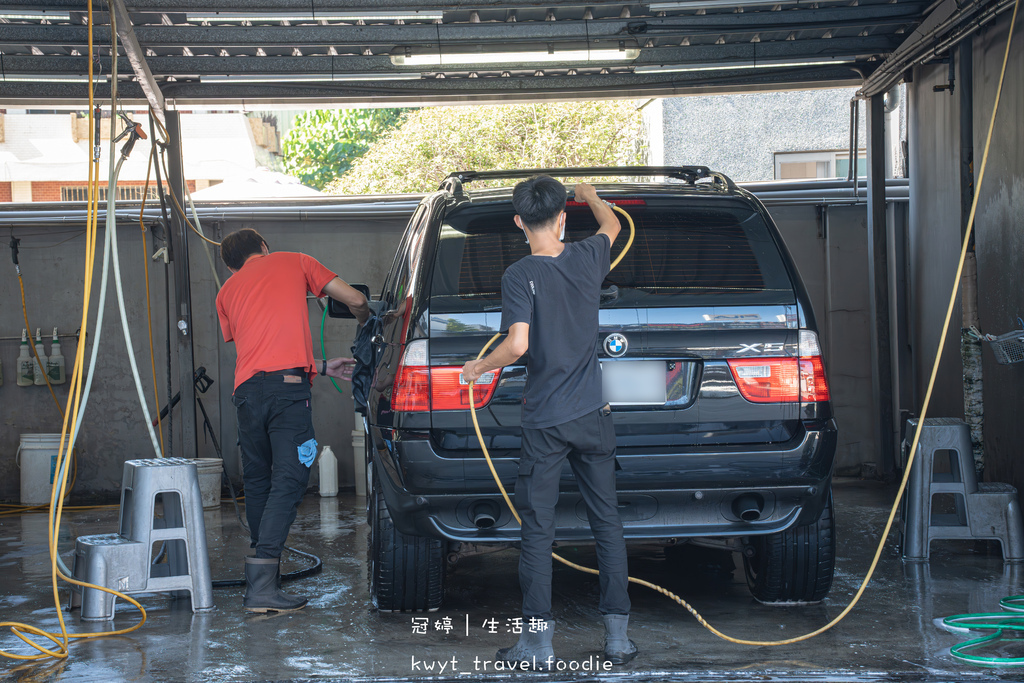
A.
x: 325, y: 142
x: 430, y: 143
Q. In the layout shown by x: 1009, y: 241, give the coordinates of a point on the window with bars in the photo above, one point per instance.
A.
x: 125, y: 193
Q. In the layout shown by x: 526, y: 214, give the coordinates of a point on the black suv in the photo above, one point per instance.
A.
x: 710, y: 360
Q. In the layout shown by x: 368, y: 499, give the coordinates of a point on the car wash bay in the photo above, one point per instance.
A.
x: 878, y: 260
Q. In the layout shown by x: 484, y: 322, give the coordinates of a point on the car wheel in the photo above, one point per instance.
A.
x: 795, y: 565
x: 406, y: 573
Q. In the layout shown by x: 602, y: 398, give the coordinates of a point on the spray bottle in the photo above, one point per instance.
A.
x: 25, y: 362
x: 38, y: 376
x: 55, y: 363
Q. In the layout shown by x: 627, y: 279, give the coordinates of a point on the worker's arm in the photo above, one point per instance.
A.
x: 339, y: 290
x: 603, y: 211
x: 515, y: 346
x: 340, y: 368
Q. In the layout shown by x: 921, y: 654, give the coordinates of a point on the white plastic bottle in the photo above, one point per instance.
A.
x: 55, y: 368
x: 39, y: 376
x: 328, y: 473
x: 25, y: 362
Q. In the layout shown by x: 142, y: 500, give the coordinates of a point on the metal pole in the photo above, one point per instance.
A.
x: 182, y: 291
x: 878, y: 277
x: 970, y: 349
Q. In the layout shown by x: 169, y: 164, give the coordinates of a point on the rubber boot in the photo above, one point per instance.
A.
x: 534, y: 648
x: 262, y: 591
x: 618, y: 648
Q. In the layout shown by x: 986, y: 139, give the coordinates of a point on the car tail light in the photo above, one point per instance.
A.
x: 783, y: 380
x: 419, y: 387
x: 411, y: 391
x: 449, y: 391
x: 618, y: 202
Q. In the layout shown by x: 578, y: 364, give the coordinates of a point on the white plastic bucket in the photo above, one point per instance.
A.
x: 359, y: 459
x: 209, y: 481
x: 37, y: 459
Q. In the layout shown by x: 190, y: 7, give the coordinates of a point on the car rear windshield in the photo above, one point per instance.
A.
x: 698, y: 254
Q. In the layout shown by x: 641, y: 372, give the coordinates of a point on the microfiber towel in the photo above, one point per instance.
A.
x: 307, y: 453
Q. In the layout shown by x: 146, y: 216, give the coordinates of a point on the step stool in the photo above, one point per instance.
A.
x: 985, y: 511
x: 124, y: 561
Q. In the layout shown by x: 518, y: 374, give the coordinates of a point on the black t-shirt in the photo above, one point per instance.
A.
x: 559, y: 297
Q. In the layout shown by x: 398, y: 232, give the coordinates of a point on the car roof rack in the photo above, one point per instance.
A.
x: 690, y: 174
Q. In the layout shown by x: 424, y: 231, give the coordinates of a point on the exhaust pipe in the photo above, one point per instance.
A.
x: 484, y: 514
x: 748, y: 506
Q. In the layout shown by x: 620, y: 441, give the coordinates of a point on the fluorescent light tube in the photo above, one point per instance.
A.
x: 698, y: 4
x: 49, y: 16
x: 514, y: 57
x: 308, y: 78
x: 311, y: 16
x: 748, y: 64
x: 50, y: 78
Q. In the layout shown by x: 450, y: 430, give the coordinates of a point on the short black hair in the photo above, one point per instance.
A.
x: 538, y: 199
x: 238, y: 246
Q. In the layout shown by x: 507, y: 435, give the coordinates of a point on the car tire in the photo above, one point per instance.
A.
x: 406, y: 573
x: 795, y: 565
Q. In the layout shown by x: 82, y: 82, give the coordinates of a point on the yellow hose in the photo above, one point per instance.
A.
x: 62, y: 640
x: 913, y: 448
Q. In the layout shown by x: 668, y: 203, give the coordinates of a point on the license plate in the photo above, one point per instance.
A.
x: 634, y: 382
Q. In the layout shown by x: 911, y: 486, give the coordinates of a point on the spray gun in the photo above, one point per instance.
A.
x: 96, y: 118
x: 14, y: 252
x: 133, y: 131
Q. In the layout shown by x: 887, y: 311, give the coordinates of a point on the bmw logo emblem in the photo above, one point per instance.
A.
x: 615, y: 345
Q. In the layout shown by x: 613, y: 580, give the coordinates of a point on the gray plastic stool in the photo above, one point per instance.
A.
x: 123, y: 561
x: 986, y: 511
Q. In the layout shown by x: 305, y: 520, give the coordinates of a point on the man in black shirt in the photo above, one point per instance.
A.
x: 550, y: 302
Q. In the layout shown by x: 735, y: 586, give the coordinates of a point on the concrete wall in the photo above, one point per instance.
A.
x: 935, y: 237
x: 113, y: 429
x: 739, y: 134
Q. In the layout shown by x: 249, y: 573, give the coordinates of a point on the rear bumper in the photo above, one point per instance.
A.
x: 661, y: 496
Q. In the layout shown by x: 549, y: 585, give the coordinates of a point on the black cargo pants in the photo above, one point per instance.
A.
x: 274, y: 419
x: 589, y: 443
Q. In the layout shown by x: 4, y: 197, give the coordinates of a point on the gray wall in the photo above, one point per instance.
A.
x: 113, y: 429
x: 935, y: 231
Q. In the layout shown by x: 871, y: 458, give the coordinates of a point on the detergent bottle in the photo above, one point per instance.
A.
x: 55, y: 363
x: 25, y: 363
x: 38, y: 373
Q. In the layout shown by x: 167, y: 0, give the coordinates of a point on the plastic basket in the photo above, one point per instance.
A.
x: 1009, y: 347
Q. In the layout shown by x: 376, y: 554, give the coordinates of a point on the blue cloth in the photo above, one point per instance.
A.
x: 307, y: 453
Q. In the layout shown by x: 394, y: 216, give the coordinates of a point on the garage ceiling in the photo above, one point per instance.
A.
x: 434, y: 51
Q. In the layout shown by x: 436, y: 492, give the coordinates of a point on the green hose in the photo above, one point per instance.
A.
x: 997, y: 622
x: 323, y: 348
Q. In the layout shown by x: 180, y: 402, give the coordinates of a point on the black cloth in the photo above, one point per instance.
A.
x: 589, y: 443
x: 274, y: 419
x: 559, y: 297
x: 362, y: 374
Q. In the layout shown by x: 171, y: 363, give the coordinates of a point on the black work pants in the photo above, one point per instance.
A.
x: 589, y: 444
x: 274, y: 419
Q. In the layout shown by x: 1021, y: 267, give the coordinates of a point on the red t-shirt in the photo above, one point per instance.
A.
x: 263, y: 309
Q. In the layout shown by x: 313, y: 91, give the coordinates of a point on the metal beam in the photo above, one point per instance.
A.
x: 886, y: 432
x: 137, y: 58
x: 386, y: 35
x: 341, y: 64
x: 182, y: 291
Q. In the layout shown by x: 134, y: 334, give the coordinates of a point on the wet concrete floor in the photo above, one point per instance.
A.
x: 891, y: 635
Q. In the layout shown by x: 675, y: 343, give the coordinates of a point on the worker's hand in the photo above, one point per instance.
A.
x: 585, y: 192
x: 341, y: 368
x: 470, y: 372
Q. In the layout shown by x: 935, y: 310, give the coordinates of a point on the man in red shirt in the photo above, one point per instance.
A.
x: 263, y: 309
